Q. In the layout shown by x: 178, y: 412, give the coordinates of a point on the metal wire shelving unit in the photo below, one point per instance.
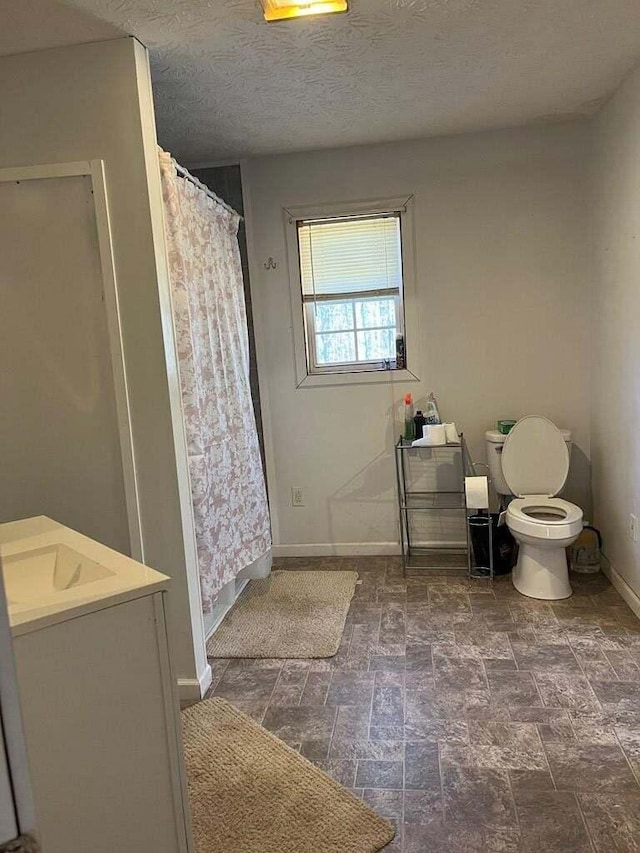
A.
x: 421, y: 493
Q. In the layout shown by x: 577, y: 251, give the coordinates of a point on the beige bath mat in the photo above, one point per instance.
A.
x: 287, y: 615
x: 250, y: 793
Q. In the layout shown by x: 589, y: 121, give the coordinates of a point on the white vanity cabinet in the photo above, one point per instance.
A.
x: 99, y: 706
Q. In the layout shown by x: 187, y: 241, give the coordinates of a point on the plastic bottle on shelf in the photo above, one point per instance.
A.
x: 432, y: 415
x: 419, y: 422
x: 409, y: 426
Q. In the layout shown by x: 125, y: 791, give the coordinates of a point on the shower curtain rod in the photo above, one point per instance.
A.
x: 184, y: 173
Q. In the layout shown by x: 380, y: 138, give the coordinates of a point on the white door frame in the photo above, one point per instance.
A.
x: 94, y: 169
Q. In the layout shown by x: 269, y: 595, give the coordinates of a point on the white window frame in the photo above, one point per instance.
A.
x: 357, y: 373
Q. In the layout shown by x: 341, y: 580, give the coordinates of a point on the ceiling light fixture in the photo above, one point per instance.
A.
x: 282, y: 10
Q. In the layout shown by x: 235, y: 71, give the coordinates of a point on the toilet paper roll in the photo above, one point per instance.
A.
x: 477, y: 492
x: 434, y: 435
x: 452, y: 434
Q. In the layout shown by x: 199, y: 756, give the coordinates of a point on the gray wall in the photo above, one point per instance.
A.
x: 502, y: 265
x: 226, y: 182
x: 615, y: 334
x: 94, y: 101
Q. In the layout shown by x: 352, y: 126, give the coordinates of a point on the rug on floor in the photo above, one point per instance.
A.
x: 251, y: 793
x: 287, y: 615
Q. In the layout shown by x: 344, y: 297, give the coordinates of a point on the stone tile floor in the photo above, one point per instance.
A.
x: 472, y: 717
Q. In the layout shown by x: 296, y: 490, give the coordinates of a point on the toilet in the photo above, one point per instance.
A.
x: 532, y: 463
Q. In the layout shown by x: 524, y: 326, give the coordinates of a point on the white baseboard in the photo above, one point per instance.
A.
x: 204, y: 680
x: 211, y: 629
x: 632, y: 598
x: 337, y: 549
x: 192, y: 690
x: 188, y: 691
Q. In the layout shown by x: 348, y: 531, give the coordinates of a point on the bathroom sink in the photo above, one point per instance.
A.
x: 52, y: 573
x: 44, y: 572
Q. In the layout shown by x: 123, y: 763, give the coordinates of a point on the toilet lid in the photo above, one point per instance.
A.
x: 535, y: 458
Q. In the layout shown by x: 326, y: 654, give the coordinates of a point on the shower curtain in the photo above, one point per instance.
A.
x: 228, y: 490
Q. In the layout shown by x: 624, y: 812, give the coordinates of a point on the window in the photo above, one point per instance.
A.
x: 352, y: 282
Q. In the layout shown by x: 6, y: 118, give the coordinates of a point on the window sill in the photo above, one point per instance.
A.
x: 368, y: 377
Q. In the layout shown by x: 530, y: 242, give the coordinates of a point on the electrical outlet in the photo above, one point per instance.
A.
x: 633, y: 527
x: 297, y: 496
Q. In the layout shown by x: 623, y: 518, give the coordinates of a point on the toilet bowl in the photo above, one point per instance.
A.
x: 543, y: 527
x: 535, y: 464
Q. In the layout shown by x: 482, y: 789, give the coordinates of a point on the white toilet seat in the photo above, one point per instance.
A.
x: 544, y: 517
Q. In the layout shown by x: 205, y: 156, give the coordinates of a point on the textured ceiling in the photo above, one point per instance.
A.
x: 27, y: 25
x: 228, y: 84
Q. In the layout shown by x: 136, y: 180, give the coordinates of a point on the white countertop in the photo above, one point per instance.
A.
x: 126, y: 578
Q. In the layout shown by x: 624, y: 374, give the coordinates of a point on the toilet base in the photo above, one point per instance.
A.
x: 542, y: 573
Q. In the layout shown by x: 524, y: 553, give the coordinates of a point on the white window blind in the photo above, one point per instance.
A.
x: 350, y: 255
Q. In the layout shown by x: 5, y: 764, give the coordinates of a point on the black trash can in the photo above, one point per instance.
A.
x: 504, y: 546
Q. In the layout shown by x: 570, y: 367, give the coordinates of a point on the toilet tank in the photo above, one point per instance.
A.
x: 494, y: 441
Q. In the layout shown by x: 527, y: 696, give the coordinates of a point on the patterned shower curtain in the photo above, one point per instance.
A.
x: 227, y: 483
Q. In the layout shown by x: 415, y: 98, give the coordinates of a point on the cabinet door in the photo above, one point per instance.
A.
x: 16, y: 804
x: 8, y: 817
x: 100, y: 733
